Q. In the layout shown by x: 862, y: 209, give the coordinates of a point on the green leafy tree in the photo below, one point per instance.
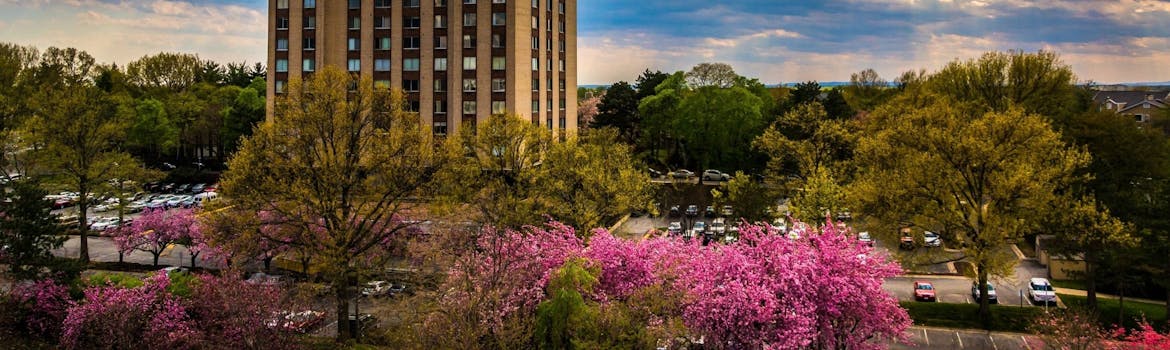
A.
x: 498, y: 176
x: 348, y: 164
x: 28, y: 231
x: 561, y: 320
x: 1038, y: 83
x: 590, y: 181
x: 711, y: 74
x: 647, y: 83
x: 805, y: 139
x: 619, y: 110
x: 806, y: 92
x: 241, y: 116
x: 978, y: 178
x: 16, y: 69
x: 658, y: 113
x: 165, y: 71
x: 749, y: 199
x: 1084, y: 228
x: 820, y: 194
x: 866, y: 90
x: 151, y: 129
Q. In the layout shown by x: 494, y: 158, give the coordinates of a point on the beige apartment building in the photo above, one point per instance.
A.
x: 459, y: 61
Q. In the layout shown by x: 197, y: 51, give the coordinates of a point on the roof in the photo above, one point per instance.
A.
x: 1132, y: 98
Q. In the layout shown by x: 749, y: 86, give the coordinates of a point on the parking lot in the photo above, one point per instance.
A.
x: 938, y: 338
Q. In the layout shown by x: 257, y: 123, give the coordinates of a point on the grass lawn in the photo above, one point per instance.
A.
x: 1070, y: 284
x: 1109, y: 310
x: 1003, y: 318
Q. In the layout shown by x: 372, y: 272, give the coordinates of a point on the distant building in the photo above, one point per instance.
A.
x: 459, y: 62
x: 1139, y: 104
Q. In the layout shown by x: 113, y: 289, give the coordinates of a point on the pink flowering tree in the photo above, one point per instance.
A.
x: 42, y: 305
x: 154, y: 231
x: 188, y: 232
x: 126, y: 318
x: 233, y: 314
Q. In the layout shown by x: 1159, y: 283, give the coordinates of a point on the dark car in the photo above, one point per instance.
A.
x: 655, y: 174
x: 728, y: 211
x: 692, y: 210
x: 184, y: 188
x: 710, y: 211
x: 675, y: 211
x: 907, y: 241
x: 197, y: 188
x: 167, y: 187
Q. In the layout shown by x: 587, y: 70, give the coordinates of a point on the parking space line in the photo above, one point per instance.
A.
x: 925, y: 336
x: 960, y: 340
x: 1025, y: 341
x: 993, y: 346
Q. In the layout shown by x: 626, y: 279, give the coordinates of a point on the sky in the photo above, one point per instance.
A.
x: 777, y: 41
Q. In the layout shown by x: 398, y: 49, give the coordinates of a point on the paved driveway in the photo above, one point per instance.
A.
x: 942, y: 338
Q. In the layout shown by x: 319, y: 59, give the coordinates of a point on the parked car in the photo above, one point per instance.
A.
x: 177, y: 201
x: 710, y: 212
x: 692, y: 210
x: 991, y: 296
x: 675, y: 228
x: 718, y: 227
x: 654, y: 174
x: 183, y: 188
x: 778, y: 227
x: 197, y: 188
x: 300, y: 322
x: 362, y: 322
x: 1040, y: 291
x: 715, y: 175
x: 727, y: 211
x: 924, y: 291
x: 844, y: 215
x: 699, y: 228
x: 865, y: 239
x: 167, y: 187
x: 674, y: 211
x: 932, y: 239
x: 682, y: 174
x: 211, y: 188
x: 907, y: 241
x: 263, y: 278
x: 396, y: 289
x: 61, y: 203
x: 376, y: 289
x: 103, y: 224
x: 136, y: 206
x: 188, y: 202
x: 159, y: 202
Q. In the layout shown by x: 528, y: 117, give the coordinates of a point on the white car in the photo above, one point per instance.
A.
x: 177, y: 201
x: 103, y: 224
x: 675, y: 228
x: 718, y: 227
x: 932, y: 239
x: 376, y: 289
x: 778, y: 227
x: 1040, y: 291
x: 698, y: 229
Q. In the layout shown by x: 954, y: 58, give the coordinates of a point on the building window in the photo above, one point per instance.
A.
x: 549, y: 123
x: 563, y: 126
x: 562, y: 8
x: 498, y: 85
x: 535, y: 22
x: 468, y: 41
x: 469, y: 19
x: 499, y: 2
x: 382, y: 43
x: 562, y: 105
x: 535, y: 43
x: 499, y: 63
x: 535, y: 84
x: 441, y: 63
x: 355, y: 4
x: 279, y: 86
x: 469, y: 85
x: 535, y: 3
x: 309, y: 43
x: 355, y: 22
x: 440, y: 128
x: 382, y: 65
x: 308, y: 65
x: 310, y: 4
x: 441, y: 42
x: 497, y: 41
x: 411, y: 22
x: 354, y: 44
x: 498, y: 107
x: 550, y: 67
x: 410, y: 43
x: 282, y: 44
x: 381, y: 3
x: 562, y: 25
x: 412, y: 106
x: 562, y: 47
x: 562, y: 84
x: 382, y: 22
x: 470, y: 2
x: 499, y: 18
x: 440, y: 106
x: 355, y: 65
x: 468, y: 106
x: 440, y: 21
x: 549, y: 84
x: 548, y: 44
x: 282, y: 4
x: 281, y: 65
x: 310, y: 22
x: 381, y: 84
x: 549, y: 107
x: 410, y: 85
x: 469, y: 63
x: 562, y: 62
x: 282, y: 23
x: 535, y: 63
x: 410, y: 64
x: 410, y: 3
x: 440, y: 85
x: 535, y: 106
x: 440, y: 3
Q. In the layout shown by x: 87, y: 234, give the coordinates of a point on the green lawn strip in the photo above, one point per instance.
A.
x: 1004, y: 318
x: 1108, y: 309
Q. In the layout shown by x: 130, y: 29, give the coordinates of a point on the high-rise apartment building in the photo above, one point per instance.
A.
x: 459, y: 61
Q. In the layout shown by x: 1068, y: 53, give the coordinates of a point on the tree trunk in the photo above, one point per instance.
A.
x: 156, y: 258
x: 341, y: 290
x: 267, y: 264
x: 82, y: 221
x: 120, y: 255
x: 984, y: 301
x: 1090, y: 281
x: 305, y: 265
x: 193, y: 256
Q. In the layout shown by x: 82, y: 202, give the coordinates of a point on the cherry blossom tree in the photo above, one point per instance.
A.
x: 42, y: 305
x: 233, y: 314
x: 155, y: 230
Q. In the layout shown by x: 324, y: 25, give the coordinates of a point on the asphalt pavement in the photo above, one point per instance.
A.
x: 944, y: 338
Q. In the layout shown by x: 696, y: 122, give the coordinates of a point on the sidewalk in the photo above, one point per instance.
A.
x: 1082, y: 293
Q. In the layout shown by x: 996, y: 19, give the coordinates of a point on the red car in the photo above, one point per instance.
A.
x: 924, y: 291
